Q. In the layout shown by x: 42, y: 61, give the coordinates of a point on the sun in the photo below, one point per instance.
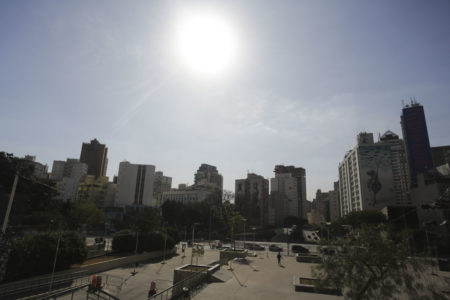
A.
x: 206, y: 43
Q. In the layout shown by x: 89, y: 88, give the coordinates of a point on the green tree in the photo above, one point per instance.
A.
x: 371, y: 263
x: 35, y: 254
x: 358, y: 218
x: 142, y: 219
x: 34, y: 202
x: 86, y: 213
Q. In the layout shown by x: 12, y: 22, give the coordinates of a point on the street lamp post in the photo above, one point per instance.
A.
x: 245, y: 237
x: 165, y: 242
x: 54, y: 261
x: 192, y: 248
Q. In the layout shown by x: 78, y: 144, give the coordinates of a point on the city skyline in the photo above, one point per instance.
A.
x: 306, y: 78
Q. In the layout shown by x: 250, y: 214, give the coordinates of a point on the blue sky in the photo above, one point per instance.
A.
x: 307, y: 77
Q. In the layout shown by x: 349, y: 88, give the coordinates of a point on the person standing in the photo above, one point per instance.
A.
x: 279, y: 257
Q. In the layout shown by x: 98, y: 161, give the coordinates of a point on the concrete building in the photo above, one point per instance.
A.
x: 207, y: 178
x: 441, y: 155
x: 161, y: 184
x: 399, y: 165
x: 320, y: 208
x: 252, y: 199
x: 95, y: 155
x: 288, y: 192
x: 335, y: 206
x: 135, y: 185
x: 93, y: 189
x: 208, y: 175
x: 40, y: 170
x: 186, y: 196
x: 67, y: 174
x: 373, y: 175
x: 415, y: 134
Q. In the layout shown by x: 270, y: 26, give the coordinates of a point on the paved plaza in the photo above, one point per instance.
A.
x: 259, y: 278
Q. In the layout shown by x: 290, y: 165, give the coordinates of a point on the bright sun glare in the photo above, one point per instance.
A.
x: 206, y: 43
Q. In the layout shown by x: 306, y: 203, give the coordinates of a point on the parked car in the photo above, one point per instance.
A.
x: 299, y: 249
x: 253, y: 246
x: 275, y: 248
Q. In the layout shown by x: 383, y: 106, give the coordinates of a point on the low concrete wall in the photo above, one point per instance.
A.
x: 309, y: 258
x: 227, y: 255
x: 124, y: 261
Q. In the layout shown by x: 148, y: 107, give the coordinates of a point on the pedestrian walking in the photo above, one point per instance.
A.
x: 279, y: 257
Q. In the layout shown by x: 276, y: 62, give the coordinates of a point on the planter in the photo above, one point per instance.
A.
x: 308, y: 285
x: 227, y: 255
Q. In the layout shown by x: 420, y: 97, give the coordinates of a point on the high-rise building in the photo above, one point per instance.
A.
x: 208, y: 178
x: 373, y: 175
x: 134, y: 185
x: 208, y: 175
x: 161, y: 184
x: 288, y: 192
x: 335, y: 207
x: 67, y: 174
x: 415, y: 135
x: 252, y: 199
x: 95, y: 156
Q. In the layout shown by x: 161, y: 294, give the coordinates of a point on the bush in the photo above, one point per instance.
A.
x: 34, y: 254
x: 125, y: 241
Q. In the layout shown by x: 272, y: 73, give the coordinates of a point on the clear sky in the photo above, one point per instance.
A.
x: 304, y: 78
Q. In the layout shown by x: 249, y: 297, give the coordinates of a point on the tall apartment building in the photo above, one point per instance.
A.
x: 320, y: 208
x: 335, y: 206
x: 252, y: 199
x: 208, y: 178
x: 208, y: 175
x: 135, y: 185
x: 67, y: 174
x: 373, y: 175
x: 288, y: 192
x: 95, y: 155
x: 417, y: 143
x: 161, y: 184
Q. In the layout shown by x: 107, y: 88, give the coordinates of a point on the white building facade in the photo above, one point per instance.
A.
x: 67, y: 174
x: 373, y: 175
x: 134, y: 185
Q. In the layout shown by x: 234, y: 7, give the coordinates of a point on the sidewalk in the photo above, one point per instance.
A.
x: 261, y: 279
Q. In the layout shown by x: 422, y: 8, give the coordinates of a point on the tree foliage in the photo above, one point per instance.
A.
x: 35, y: 254
x: 182, y: 216
x: 34, y: 202
x: 142, y: 219
x: 125, y: 241
x: 358, y: 218
x: 86, y: 213
x: 371, y: 263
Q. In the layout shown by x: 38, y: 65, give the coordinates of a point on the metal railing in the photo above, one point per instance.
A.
x: 42, y: 284
x: 176, y: 291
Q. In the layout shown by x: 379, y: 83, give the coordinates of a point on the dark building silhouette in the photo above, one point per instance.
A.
x: 441, y: 155
x: 415, y: 135
x: 252, y: 199
x: 94, y: 155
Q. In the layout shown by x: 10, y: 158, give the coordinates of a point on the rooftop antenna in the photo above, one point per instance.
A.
x: 403, y: 103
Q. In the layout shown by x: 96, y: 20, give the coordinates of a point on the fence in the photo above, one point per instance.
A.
x: 65, y: 278
x: 41, y: 284
x: 176, y: 291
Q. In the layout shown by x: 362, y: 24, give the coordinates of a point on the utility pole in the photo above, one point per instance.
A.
x: 11, y: 199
